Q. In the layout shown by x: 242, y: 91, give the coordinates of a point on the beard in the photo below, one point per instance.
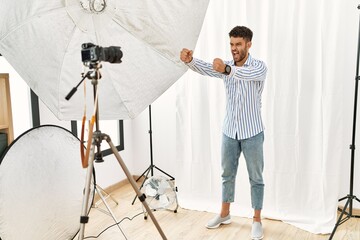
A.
x: 239, y: 56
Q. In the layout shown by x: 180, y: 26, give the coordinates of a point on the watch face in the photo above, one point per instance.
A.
x: 227, y: 69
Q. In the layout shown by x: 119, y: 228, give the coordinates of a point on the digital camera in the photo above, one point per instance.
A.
x: 92, y: 53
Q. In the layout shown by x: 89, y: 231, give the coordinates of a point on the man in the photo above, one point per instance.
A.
x: 243, y: 78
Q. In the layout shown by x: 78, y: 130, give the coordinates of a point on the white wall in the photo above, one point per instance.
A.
x: 20, y: 99
x: 163, y: 122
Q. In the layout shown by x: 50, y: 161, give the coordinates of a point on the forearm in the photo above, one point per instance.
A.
x: 203, y: 68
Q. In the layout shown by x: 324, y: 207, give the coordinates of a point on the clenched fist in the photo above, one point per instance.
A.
x: 219, y: 65
x: 186, y: 55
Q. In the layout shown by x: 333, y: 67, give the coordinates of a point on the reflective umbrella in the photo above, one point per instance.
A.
x: 42, y: 40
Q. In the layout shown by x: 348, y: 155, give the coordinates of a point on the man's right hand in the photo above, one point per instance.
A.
x: 186, y: 55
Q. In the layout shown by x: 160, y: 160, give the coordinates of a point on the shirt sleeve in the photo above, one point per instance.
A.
x: 204, y: 68
x: 256, y: 71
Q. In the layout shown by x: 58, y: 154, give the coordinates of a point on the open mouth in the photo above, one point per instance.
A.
x: 235, y: 54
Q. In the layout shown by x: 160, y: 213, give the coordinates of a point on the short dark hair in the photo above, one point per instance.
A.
x: 241, y: 31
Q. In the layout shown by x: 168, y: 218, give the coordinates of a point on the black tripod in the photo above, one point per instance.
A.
x: 96, y: 138
x: 150, y: 169
x: 344, y: 216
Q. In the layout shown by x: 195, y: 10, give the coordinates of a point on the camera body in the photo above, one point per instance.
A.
x: 93, y: 53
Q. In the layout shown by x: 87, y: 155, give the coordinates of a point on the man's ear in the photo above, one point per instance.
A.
x: 249, y: 43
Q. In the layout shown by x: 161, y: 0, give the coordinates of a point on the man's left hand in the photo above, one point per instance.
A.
x: 219, y: 65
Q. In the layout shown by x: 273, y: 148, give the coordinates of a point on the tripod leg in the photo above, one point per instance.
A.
x: 107, y: 195
x: 133, y: 184
x: 111, y: 213
x: 143, y: 174
x: 171, y: 177
x: 85, y: 204
x: 355, y: 198
x: 142, y: 184
x: 340, y: 220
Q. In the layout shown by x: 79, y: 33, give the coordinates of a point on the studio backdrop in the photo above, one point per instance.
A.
x: 310, y: 50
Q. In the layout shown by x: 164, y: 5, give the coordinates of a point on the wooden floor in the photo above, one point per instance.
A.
x: 189, y: 225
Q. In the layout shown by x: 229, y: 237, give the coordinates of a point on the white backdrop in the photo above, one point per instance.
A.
x: 310, y: 49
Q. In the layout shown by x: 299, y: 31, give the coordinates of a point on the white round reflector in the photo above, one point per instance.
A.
x: 41, y: 186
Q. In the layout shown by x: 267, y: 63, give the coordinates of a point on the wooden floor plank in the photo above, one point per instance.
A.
x: 190, y: 225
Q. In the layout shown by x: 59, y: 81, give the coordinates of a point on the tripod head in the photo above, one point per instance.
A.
x: 94, y: 72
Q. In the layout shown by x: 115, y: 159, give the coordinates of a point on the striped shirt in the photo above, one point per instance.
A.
x: 243, y: 87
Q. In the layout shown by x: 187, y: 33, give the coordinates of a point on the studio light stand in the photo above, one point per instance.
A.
x: 103, y: 195
x: 150, y: 169
x: 97, y: 137
x: 344, y: 215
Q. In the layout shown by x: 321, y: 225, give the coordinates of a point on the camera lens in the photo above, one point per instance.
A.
x: 112, y: 54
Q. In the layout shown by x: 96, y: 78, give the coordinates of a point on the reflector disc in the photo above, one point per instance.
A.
x: 41, y: 186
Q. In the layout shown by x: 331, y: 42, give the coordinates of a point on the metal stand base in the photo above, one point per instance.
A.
x: 145, y: 174
x: 97, y: 138
x: 109, y: 212
x: 344, y: 216
x: 105, y: 195
x: 150, y: 169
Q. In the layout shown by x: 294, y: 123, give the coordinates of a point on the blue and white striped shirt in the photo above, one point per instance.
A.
x: 243, y: 86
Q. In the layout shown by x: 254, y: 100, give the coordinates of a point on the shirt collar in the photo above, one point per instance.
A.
x: 246, y: 63
x: 248, y: 60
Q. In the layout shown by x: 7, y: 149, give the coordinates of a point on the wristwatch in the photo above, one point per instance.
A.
x: 227, y: 69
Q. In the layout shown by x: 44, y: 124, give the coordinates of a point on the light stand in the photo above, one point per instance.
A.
x: 97, y: 138
x: 101, y: 193
x: 344, y: 216
x: 150, y: 169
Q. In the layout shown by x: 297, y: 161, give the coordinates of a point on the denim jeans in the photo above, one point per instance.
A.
x: 252, y: 149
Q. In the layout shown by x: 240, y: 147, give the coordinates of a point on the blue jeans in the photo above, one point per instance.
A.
x: 253, y: 153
